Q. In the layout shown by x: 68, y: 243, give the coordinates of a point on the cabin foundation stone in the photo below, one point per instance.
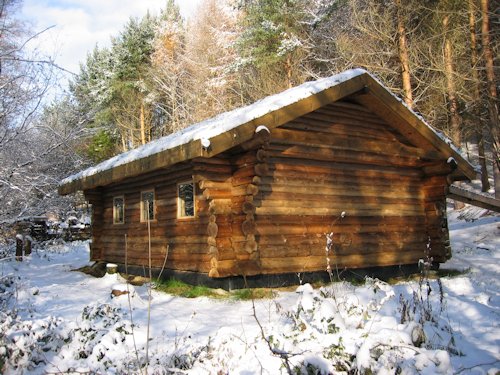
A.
x: 277, y: 280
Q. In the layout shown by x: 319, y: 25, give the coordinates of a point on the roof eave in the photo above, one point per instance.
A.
x: 371, y: 92
x: 133, y: 168
x: 220, y: 143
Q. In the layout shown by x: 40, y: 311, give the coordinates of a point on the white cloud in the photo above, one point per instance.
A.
x: 81, y: 24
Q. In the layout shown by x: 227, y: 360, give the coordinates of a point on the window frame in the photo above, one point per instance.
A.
x: 141, y: 204
x: 180, y: 202
x: 115, y: 222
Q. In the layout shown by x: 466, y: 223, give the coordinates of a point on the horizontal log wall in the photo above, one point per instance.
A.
x: 343, y: 158
x: 180, y: 244
x: 266, y: 206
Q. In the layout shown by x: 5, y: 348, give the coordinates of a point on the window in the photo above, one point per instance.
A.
x: 147, y: 205
x: 118, y: 210
x: 185, y: 201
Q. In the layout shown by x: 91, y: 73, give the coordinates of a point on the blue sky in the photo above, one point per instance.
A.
x: 80, y: 24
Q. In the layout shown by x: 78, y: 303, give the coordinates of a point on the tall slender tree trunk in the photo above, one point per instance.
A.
x: 143, y: 125
x: 479, y: 127
x: 124, y: 143
x: 492, y: 94
x: 288, y: 68
x: 131, y: 138
x: 404, y: 56
x: 455, y: 119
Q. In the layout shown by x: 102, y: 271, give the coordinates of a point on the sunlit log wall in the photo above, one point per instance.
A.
x: 265, y: 206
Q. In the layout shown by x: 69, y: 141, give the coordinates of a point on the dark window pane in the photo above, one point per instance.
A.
x: 186, y: 199
x: 147, y: 206
x: 118, y: 210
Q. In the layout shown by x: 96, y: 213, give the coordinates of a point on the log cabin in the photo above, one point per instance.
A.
x: 256, y: 193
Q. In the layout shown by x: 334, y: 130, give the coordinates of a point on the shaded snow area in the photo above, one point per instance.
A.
x: 54, y: 320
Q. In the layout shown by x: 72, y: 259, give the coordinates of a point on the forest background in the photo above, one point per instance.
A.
x: 162, y: 73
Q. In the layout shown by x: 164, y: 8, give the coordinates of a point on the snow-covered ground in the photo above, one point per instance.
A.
x: 54, y: 320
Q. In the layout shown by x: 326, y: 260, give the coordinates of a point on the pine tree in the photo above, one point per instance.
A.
x: 130, y: 109
x: 274, y: 43
x: 112, y: 90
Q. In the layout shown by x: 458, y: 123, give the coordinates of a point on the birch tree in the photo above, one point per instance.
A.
x: 33, y: 153
x: 169, y: 75
x: 210, y: 57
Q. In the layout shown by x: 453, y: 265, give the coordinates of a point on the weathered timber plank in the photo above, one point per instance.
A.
x: 200, y: 168
x: 347, y: 221
x: 344, y: 205
x: 216, y: 177
x: 243, y: 180
x: 400, y: 191
x: 320, y: 230
x: 347, y: 240
x: 341, y: 156
x: 289, y: 175
x: 361, y: 197
x: 238, y: 267
x: 336, y: 128
x: 318, y: 263
x: 350, y: 107
x: 355, y: 123
x: 318, y: 249
x: 349, y: 143
x: 157, y: 240
x: 215, y: 185
x: 316, y: 166
x: 214, y: 193
x: 389, y: 211
x: 475, y: 199
x: 221, y: 159
x: 246, y: 171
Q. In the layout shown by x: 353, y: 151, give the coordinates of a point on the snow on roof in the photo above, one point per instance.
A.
x: 220, y: 124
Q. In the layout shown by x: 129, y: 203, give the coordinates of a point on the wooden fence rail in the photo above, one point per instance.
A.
x: 475, y: 199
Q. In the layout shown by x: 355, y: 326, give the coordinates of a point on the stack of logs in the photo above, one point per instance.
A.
x: 213, y: 177
x: 212, y: 231
x: 257, y: 147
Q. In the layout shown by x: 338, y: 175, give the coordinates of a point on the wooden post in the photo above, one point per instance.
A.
x: 27, y: 245
x: 19, y: 247
x: 111, y: 268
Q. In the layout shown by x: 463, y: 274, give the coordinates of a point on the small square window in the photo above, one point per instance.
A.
x: 185, y: 201
x: 147, y: 205
x: 118, y: 210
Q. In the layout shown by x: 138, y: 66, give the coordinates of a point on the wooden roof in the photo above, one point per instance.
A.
x: 235, y: 127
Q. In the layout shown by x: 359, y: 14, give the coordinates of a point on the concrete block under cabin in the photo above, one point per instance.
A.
x: 251, y: 194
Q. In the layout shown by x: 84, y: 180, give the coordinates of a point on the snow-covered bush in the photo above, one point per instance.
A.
x: 345, y: 329
x: 97, y: 339
x: 24, y: 344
